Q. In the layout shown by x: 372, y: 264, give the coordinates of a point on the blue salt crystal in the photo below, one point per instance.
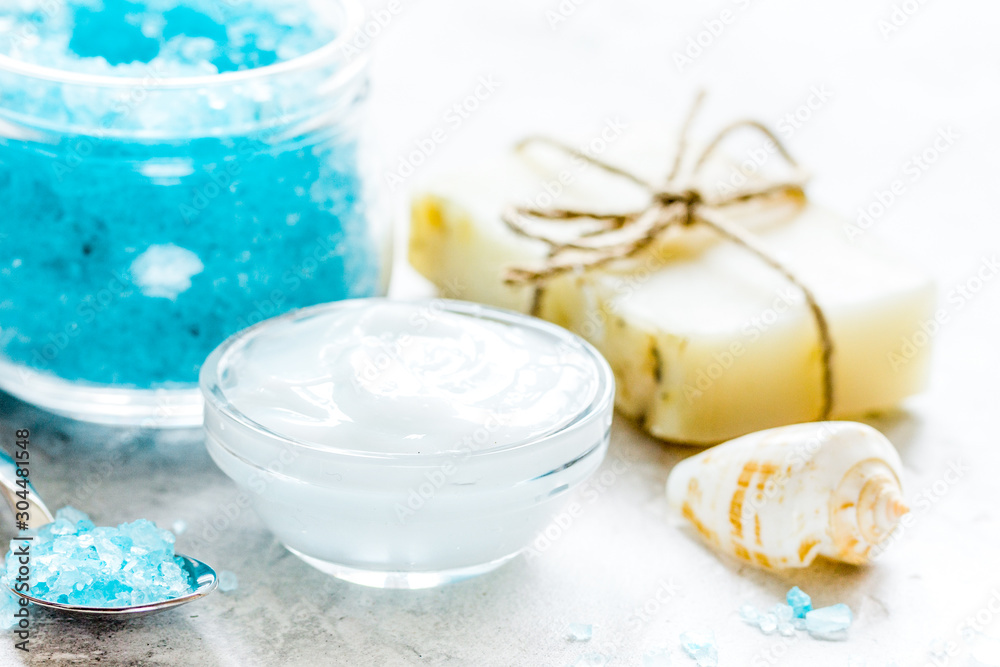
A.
x: 228, y: 581
x: 194, y: 37
x: 829, y: 622
x: 783, y: 613
x: 9, y: 606
x: 749, y: 614
x: 799, y: 601
x: 700, y: 647
x: 80, y: 521
x: 179, y: 527
x: 658, y: 656
x: 786, y: 629
x: 580, y: 632
x: 74, y: 562
x: 767, y: 623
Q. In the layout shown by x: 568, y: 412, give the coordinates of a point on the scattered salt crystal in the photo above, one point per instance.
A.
x: 228, y: 581
x: 749, y: 614
x: 829, y: 622
x: 767, y: 623
x: 580, y: 632
x: 179, y: 527
x: 780, y: 617
x: 700, y: 646
x: 798, y: 601
x: 658, y: 656
x: 783, y: 613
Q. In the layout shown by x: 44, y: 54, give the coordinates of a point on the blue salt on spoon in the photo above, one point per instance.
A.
x: 203, y: 576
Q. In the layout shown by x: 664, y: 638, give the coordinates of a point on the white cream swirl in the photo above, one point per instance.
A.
x: 386, y: 377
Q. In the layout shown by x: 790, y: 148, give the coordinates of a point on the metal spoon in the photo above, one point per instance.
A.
x: 203, y: 575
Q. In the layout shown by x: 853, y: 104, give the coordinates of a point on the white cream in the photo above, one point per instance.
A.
x: 406, y: 444
x: 394, y: 377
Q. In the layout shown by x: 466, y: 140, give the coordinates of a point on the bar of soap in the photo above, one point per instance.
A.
x: 707, y: 343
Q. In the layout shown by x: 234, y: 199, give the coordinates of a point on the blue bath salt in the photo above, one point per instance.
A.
x: 76, y: 563
x: 125, y: 260
x: 172, y: 37
x: 799, y: 601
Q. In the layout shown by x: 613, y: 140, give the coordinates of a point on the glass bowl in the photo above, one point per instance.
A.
x: 395, y: 479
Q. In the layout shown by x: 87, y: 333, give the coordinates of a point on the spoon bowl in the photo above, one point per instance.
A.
x: 203, y: 576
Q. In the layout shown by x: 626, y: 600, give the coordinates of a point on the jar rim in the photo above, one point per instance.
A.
x: 217, y: 402
x: 353, y: 15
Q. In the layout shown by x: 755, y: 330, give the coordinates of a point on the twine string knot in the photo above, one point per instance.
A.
x: 588, y: 240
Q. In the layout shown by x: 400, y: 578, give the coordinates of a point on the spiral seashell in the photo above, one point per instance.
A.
x: 781, y: 497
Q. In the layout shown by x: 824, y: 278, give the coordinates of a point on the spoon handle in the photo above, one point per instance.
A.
x: 39, y: 514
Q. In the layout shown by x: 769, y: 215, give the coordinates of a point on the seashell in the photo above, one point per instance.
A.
x: 781, y: 497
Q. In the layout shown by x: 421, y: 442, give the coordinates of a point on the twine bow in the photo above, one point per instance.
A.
x: 590, y: 240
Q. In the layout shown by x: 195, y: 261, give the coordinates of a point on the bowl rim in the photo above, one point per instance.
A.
x: 216, y: 401
x: 354, y: 15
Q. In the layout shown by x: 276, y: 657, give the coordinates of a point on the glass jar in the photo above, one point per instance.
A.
x: 147, y: 218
